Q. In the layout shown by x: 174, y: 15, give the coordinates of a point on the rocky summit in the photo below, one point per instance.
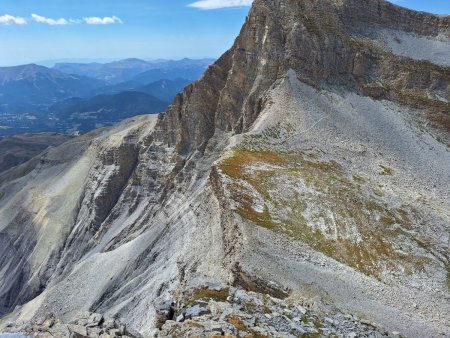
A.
x: 299, y: 188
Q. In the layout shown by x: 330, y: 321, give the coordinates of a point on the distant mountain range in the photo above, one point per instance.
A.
x: 124, y: 70
x: 164, y: 89
x: 163, y: 86
x: 84, y: 115
x: 33, y: 84
x: 31, y: 96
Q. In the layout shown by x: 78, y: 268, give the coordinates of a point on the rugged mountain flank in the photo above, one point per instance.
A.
x: 18, y: 149
x: 309, y: 163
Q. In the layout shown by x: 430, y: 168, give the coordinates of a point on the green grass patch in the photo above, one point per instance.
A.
x: 217, y: 295
x: 359, y: 179
x: 338, y: 203
x: 386, y: 171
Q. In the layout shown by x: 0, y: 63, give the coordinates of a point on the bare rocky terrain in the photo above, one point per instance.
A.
x: 299, y: 188
x: 15, y: 150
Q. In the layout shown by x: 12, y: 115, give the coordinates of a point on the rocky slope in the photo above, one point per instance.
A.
x: 310, y: 164
x: 18, y: 149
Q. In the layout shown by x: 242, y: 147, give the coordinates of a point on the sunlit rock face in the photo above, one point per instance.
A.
x: 309, y: 163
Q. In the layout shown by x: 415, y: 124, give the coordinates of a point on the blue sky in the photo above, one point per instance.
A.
x: 32, y: 30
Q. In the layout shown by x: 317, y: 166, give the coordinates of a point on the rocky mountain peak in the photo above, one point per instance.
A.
x: 372, y: 47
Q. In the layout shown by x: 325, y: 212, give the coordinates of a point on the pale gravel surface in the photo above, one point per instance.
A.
x: 368, y: 133
x: 363, y: 134
x: 413, y: 46
x: 316, y: 277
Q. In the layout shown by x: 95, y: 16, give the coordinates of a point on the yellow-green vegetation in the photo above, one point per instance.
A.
x: 237, y: 322
x: 318, y: 324
x: 240, y: 326
x: 386, y: 170
x: 318, y: 203
x: 234, y: 167
x: 359, y: 179
x: 205, y: 293
x: 194, y: 324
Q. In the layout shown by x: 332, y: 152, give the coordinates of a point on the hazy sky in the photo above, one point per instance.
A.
x: 32, y: 30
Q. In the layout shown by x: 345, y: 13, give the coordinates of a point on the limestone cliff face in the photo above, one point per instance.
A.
x: 325, y: 42
x: 386, y: 15
x: 310, y: 161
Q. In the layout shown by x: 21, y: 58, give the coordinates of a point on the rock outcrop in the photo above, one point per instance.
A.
x: 220, y: 311
x: 310, y: 161
x: 84, y: 325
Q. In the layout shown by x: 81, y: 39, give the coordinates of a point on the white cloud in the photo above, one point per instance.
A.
x: 215, y: 4
x: 89, y: 20
x: 51, y: 22
x: 12, y: 20
x: 102, y: 21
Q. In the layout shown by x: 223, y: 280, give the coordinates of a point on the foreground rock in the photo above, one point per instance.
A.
x: 92, y: 325
x: 232, y: 312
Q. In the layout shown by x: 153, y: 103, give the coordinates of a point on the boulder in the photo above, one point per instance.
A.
x: 95, y: 319
x: 196, y: 310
